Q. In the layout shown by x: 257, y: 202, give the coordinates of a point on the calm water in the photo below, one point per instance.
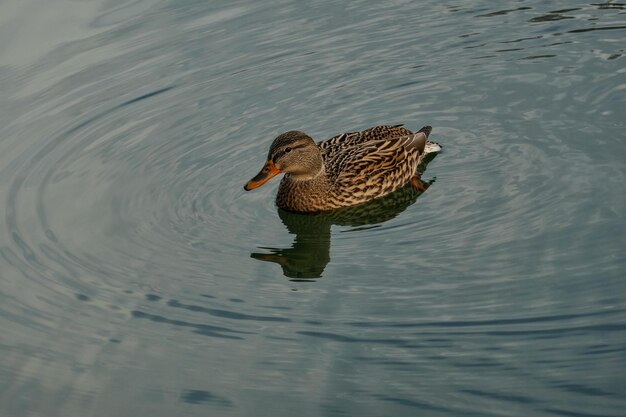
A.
x: 137, y: 278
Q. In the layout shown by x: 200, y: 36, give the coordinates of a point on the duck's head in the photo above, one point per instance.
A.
x: 293, y: 153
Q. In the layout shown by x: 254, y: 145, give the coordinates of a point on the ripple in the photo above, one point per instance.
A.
x: 201, y: 396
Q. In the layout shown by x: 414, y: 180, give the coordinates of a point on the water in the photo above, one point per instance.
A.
x: 138, y: 278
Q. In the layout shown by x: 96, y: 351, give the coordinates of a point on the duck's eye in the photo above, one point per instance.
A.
x: 287, y: 149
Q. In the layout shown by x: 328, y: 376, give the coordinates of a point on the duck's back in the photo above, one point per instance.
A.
x: 361, y: 166
x: 343, y: 142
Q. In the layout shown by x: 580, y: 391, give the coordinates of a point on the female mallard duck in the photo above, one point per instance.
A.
x: 345, y: 170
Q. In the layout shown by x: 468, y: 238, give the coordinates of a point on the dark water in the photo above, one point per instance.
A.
x: 137, y: 278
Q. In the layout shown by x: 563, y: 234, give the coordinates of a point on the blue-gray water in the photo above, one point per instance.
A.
x: 137, y: 278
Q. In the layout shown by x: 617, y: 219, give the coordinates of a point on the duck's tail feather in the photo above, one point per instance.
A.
x: 426, y: 130
x: 432, y: 147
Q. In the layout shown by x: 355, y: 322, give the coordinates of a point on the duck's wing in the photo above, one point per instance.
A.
x: 377, y: 167
x: 336, y: 144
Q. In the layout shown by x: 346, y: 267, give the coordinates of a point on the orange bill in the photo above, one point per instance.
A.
x: 268, y: 171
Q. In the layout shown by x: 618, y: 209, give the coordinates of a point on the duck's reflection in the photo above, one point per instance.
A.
x: 309, y: 254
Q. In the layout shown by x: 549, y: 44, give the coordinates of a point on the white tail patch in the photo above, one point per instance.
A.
x: 431, y: 147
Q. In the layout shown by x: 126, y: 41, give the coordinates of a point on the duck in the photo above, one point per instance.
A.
x: 346, y: 170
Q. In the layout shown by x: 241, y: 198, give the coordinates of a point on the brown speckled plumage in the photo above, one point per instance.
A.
x: 345, y: 170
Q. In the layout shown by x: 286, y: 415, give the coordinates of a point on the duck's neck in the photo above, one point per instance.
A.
x: 304, y: 193
x: 319, y: 173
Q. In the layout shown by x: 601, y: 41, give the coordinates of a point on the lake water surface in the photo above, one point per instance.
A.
x: 138, y: 278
